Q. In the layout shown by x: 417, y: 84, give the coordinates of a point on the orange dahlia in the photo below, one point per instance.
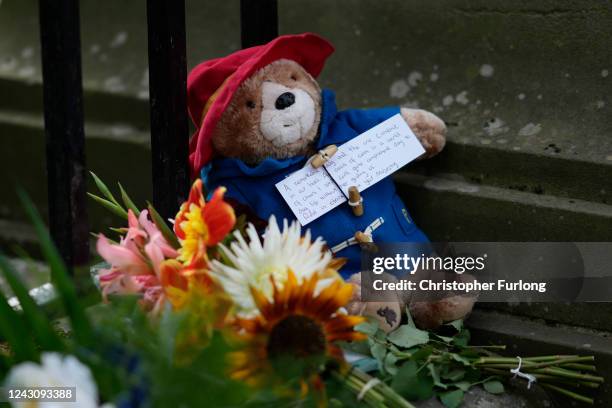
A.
x: 200, y: 225
x: 295, y: 332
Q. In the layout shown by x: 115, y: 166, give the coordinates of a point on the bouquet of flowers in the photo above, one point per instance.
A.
x: 206, y: 312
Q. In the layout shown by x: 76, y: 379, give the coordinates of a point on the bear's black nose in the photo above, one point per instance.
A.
x: 285, y: 100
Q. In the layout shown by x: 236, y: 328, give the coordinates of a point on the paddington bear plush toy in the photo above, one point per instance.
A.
x: 260, y: 115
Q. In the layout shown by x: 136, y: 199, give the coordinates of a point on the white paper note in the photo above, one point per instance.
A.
x: 360, y: 162
x: 374, y: 154
x: 310, y: 193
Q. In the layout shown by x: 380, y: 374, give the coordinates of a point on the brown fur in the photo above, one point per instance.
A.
x: 428, y: 128
x: 238, y: 134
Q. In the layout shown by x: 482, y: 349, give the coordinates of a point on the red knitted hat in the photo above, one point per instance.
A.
x: 211, y: 85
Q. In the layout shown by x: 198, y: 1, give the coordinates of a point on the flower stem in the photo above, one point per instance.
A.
x: 490, y: 347
x: 380, y: 395
x: 569, y: 374
x: 583, y: 367
x: 569, y: 393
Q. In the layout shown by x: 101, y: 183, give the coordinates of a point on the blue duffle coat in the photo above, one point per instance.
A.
x: 255, y: 186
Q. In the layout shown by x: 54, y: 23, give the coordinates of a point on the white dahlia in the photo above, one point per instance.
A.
x: 56, y: 370
x: 254, y: 262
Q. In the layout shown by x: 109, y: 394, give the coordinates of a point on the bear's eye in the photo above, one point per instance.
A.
x: 250, y: 104
x: 293, y: 77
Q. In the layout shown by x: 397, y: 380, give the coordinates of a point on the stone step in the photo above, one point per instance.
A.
x: 529, y: 337
x: 114, y: 146
x: 100, y: 105
x: 116, y: 152
x: 545, y: 172
x: 590, y: 315
x: 451, y: 209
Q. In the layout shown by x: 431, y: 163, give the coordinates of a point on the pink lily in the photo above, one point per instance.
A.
x: 135, y: 261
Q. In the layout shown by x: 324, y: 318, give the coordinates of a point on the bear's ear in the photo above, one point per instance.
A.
x: 288, y: 73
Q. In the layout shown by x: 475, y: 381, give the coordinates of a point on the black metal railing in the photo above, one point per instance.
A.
x: 168, y: 101
x: 65, y: 138
x: 63, y: 109
x: 258, y: 21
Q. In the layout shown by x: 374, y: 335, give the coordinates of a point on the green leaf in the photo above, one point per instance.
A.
x: 435, y: 376
x: 462, y: 339
x: 163, y: 227
x: 457, y: 324
x: 460, y: 359
x: 422, y: 353
x: 494, y: 387
x: 368, y: 328
x: 409, y: 317
x: 335, y: 403
x: 470, y: 353
x: 389, y: 363
x: 378, y: 352
x: 412, y: 384
x: 380, y: 336
x: 81, y: 327
x: 472, y: 375
x: 366, y: 364
x: 452, y: 399
x: 128, y: 201
x: 14, y: 331
x: 443, y: 338
x: 462, y: 385
x: 104, y: 189
x: 38, y: 324
x: 407, y: 336
x: 169, y: 326
x: 115, y: 209
x: 454, y: 375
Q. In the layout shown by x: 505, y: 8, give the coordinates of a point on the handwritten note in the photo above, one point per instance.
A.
x: 310, y: 193
x: 361, y: 162
x: 375, y: 154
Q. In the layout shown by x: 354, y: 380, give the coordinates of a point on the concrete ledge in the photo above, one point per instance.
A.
x: 455, y: 210
x: 589, y: 315
x: 544, y: 173
x: 114, y: 151
x: 531, y: 337
x: 451, y: 208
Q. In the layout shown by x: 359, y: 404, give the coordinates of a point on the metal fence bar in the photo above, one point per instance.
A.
x: 258, y: 21
x: 65, y: 138
x: 168, y: 100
